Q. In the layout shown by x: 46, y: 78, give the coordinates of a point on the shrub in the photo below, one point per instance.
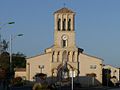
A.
x: 17, y: 81
x: 38, y: 86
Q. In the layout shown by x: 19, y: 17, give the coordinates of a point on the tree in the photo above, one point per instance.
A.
x: 4, y: 60
x: 4, y: 55
x: 19, y: 60
x: 4, y: 46
x: 4, y: 65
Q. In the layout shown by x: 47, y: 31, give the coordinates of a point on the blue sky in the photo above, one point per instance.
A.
x: 97, y: 26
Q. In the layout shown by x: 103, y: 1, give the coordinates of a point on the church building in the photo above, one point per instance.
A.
x: 64, y: 56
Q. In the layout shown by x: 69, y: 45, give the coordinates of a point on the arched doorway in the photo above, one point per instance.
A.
x: 64, y: 71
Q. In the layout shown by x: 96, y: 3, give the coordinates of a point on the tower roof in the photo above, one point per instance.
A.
x: 64, y: 10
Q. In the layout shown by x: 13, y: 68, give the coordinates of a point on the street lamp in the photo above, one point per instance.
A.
x: 11, y: 39
x: 1, y: 26
x: 6, y: 24
x: 41, y: 67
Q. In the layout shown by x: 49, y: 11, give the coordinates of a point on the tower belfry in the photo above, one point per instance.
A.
x: 64, y: 31
x: 64, y: 19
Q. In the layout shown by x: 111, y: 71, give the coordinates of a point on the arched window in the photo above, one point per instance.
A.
x: 73, y: 57
x: 58, y: 56
x: 64, y: 24
x: 69, y: 24
x: 64, y: 56
x: 64, y: 43
x: 53, y: 56
x: 68, y: 56
x: 59, y: 25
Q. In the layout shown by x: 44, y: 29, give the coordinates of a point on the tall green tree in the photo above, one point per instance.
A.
x: 4, y: 46
x: 4, y: 60
x: 19, y: 60
x: 4, y: 65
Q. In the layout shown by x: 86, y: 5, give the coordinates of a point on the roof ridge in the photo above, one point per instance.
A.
x: 93, y: 56
x: 64, y: 10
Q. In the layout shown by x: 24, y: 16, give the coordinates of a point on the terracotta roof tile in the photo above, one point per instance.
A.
x: 64, y: 10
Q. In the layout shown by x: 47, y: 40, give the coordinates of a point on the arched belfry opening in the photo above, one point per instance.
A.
x: 69, y: 24
x: 64, y: 24
x: 59, y: 24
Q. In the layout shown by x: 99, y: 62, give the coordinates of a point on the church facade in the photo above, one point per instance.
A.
x: 64, y: 56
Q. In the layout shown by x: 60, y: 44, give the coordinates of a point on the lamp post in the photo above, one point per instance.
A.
x: 4, y: 25
x: 41, y: 67
x: 1, y: 26
x: 11, y: 39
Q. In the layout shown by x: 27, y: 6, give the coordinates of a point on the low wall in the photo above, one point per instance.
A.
x: 87, y: 81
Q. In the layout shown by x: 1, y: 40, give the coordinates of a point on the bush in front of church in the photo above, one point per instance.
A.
x: 17, y: 81
x: 39, y: 86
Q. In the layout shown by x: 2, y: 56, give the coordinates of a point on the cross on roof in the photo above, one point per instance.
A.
x: 64, y: 4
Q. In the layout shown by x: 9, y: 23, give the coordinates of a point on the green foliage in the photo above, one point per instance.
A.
x: 19, y: 60
x: 3, y: 46
x: 38, y: 86
x: 4, y: 60
x: 17, y: 81
x: 2, y: 73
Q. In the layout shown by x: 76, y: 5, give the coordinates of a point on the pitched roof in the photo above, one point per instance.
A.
x: 93, y: 56
x: 64, y: 10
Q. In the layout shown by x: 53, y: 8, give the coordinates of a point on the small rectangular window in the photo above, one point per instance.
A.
x: 93, y: 66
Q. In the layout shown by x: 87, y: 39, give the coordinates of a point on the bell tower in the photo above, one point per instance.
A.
x: 64, y: 49
x: 64, y: 52
x: 64, y: 31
